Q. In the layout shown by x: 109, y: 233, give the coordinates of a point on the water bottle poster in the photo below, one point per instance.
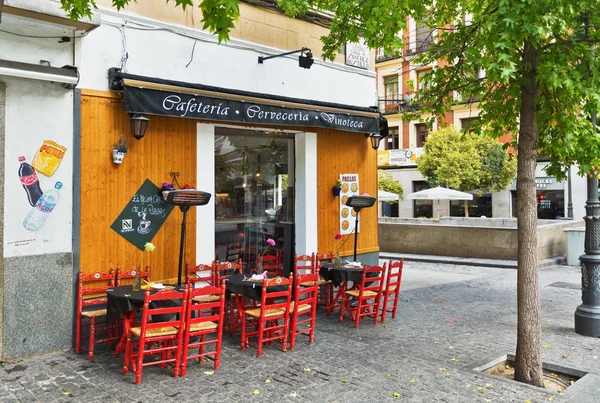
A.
x: 37, y: 183
x: 143, y: 216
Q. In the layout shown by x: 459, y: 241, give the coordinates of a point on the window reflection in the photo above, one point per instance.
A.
x: 254, y: 179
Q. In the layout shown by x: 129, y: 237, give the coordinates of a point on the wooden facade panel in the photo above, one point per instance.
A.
x: 106, y: 188
x: 345, y: 153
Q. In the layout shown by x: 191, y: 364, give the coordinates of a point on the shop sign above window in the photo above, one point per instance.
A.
x: 357, y: 55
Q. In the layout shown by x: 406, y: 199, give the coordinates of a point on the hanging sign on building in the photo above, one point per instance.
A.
x: 357, y: 55
x: 143, y: 216
x: 184, y: 105
x: 542, y: 183
x: 349, y: 188
x: 400, y: 157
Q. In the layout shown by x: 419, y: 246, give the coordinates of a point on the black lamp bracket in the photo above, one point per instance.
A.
x: 262, y: 59
x: 174, y: 176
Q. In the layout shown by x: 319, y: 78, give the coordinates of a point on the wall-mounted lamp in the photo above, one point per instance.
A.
x: 305, y: 60
x: 383, y: 133
x: 375, y: 140
x: 139, y: 124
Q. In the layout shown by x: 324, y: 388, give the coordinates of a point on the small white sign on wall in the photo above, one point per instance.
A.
x: 357, y: 55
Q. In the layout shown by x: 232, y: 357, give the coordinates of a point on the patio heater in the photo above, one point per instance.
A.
x: 358, y: 203
x: 185, y: 199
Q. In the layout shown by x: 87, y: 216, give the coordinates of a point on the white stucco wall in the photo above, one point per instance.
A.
x: 165, y: 54
x: 35, y: 112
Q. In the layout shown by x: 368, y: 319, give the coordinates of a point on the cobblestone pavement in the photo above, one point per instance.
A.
x: 449, y: 316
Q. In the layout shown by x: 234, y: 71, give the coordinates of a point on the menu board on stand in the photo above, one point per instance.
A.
x: 349, y: 188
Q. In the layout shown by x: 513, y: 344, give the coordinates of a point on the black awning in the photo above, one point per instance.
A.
x: 155, y: 96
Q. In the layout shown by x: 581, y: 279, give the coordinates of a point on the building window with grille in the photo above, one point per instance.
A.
x: 391, y: 93
x: 424, y: 37
x: 422, y: 133
x: 469, y: 124
x: 392, y: 142
x: 422, y: 78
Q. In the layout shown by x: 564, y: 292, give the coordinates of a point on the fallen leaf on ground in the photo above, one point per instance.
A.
x: 547, y: 345
x: 306, y: 369
x: 595, y: 357
x: 480, y: 389
x: 412, y: 381
x: 486, y: 400
x: 304, y: 387
x: 360, y: 338
x: 448, y: 374
x: 439, y: 301
x: 573, y: 348
x: 384, y: 325
x: 442, y: 369
x: 256, y: 392
x: 396, y: 394
x: 453, y: 359
x: 338, y: 333
x: 209, y: 373
x: 344, y: 380
x: 451, y: 347
x: 388, y: 375
x: 293, y: 394
x: 436, y: 342
x: 553, y: 374
x: 66, y: 393
x: 550, y: 399
x: 488, y: 385
x: 565, y: 356
x: 527, y: 401
x: 449, y: 320
x: 268, y: 381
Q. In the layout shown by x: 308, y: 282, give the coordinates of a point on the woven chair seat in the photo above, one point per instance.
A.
x: 301, y: 308
x: 356, y: 293
x: 163, y: 331
x: 320, y: 282
x: 94, y: 314
x: 207, y: 298
x: 196, y: 327
x: 255, y: 312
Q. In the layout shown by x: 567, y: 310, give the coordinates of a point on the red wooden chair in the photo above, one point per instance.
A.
x: 304, y: 308
x: 272, y: 264
x: 270, y: 321
x: 129, y: 274
x: 391, y: 292
x: 223, y: 271
x: 200, y: 325
x: 367, y: 297
x: 304, y: 264
x: 162, y: 337
x: 325, y: 296
x: 91, y: 296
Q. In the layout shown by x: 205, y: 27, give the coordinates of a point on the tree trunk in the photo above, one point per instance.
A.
x: 528, y: 366
x: 466, y: 203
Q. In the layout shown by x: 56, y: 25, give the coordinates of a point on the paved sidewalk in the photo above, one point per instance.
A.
x: 449, y: 317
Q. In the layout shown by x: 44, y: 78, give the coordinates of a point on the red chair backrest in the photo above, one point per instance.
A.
x: 372, y: 278
x: 271, y: 263
x: 304, y: 264
x: 271, y: 298
x: 324, y: 257
x: 202, y: 311
x: 129, y: 274
x: 153, y: 307
x: 394, y: 275
x: 200, y: 273
x: 227, y: 269
x: 97, y: 293
x: 306, y: 294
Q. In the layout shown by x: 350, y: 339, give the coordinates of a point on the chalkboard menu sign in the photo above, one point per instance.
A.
x: 143, y: 216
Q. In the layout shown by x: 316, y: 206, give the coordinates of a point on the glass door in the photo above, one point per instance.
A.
x: 254, y: 180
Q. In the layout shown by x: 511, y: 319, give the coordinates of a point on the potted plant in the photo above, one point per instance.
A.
x: 166, y: 188
x: 337, y: 187
x: 119, y: 151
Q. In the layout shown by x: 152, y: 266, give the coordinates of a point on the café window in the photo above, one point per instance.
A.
x: 550, y: 204
x: 254, y: 194
x: 422, y: 133
x: 392, y: 142
x: 478, y: 207
x: 422, y: 208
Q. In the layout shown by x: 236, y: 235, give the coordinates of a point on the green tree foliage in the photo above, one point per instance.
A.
x: 388, y: 184
x: 466, y: 161
x: 540, y: 85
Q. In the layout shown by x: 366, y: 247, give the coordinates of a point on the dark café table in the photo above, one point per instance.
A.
x: 340, y: 276
x: 246, y: 288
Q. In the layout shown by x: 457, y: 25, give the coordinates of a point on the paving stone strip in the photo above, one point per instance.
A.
x: 449, y: 316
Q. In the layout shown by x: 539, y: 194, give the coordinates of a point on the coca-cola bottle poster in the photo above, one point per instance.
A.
x: 37, y: 173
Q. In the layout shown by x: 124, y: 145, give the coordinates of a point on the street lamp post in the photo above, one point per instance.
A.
x: 587, y: 315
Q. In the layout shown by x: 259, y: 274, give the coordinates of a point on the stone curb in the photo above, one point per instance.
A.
x: 502, y: 264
